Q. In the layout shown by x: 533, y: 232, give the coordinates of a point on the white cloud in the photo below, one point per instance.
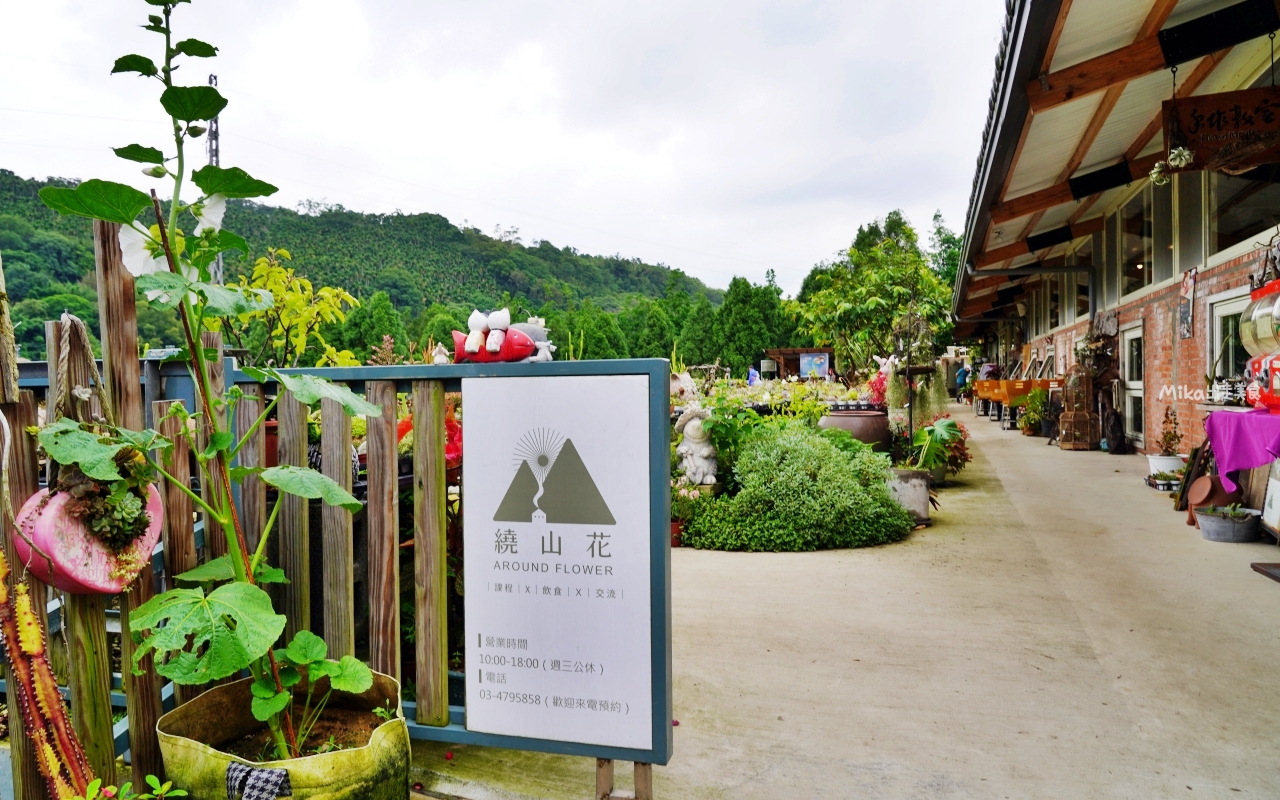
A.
x: 719, y: 137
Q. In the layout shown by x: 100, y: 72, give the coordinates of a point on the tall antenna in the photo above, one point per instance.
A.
x: 215, y: 158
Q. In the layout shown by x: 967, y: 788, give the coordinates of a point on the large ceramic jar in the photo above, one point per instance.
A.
x: 871, y: 427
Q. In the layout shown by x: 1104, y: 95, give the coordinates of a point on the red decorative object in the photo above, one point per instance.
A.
x: 517, y: 346
x: 1264, y: 382
x: 677, y: 532
x: 66, y: 555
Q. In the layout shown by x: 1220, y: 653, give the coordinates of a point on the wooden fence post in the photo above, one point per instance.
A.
x: 430, y: 598
x: 294, y: 521
x: 179, y: 528
x: 335, y: 523
x: 253, y: 492
x: 383, y: 516
x: 88, y: 656
x: 122, y: 375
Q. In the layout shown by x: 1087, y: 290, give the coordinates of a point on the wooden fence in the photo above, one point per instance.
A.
x: 140, y: 393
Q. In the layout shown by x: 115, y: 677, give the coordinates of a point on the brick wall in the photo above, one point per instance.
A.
x: 1169, y: 360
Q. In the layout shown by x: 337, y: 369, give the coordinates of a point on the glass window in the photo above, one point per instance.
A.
x: 1083, y: 256
x: 1052, y: 290
x: 1109, y: 280
x: 1229, y: 356
x: 1161, y: 233
x: 1134, y: 421
x: 1190, y: 220
x: 1133, y: 369
x: 1135, y: 243
x: 1243, y: 207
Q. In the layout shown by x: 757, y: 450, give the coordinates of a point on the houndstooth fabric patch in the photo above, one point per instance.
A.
x: 256, y: 784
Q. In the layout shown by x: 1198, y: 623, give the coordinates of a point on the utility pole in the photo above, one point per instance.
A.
x: 215, y: 158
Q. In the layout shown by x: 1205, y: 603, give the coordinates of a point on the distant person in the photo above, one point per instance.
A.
x: 962, y: 378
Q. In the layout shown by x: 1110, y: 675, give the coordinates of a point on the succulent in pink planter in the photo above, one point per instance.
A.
x: 95, y: 529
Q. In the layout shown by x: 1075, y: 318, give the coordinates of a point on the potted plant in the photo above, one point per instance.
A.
x: 1228, y: 523
x: 219, y: 622
x: 685, y: 501
x: 1164, y: 481
x: 1170, y: 439
x: 932, y: 444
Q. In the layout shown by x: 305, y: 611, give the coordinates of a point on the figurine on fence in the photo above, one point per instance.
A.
x: 493, y: 337
x: 697, y: 454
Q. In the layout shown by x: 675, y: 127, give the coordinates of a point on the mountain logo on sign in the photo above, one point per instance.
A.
x: 552, y: 484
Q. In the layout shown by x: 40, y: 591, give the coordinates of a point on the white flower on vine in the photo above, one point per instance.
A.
x: 142, y: 255
x: 209, y: 212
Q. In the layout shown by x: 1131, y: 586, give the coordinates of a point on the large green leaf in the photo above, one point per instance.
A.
x: 306, y: 648
x: 353, y: 676
x: 195, y: 47
x: 190, y: 103
x: 309, y: 389
x: 264, y: 708
x: 146, y: 440
x: 135, y: 63
x: 308, y: 483
x: 168, y: 287
x: 213, y: 571
x: 231, y: 301
x: 67, y: 443
x: 209, y: 637
x: 143, y: 155
x: 230, y: 182
x: 105, y: 200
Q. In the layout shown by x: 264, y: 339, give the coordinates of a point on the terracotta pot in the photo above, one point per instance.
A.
x: 377, y: 771
x: 66, y: 555
x: 677, y: 532
x: 871, y: 427
x: 1207, y: 490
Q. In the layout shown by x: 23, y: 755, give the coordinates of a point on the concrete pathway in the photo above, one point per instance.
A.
x: 1059, y: 633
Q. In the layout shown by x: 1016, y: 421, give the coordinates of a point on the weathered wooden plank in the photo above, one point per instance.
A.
x: 293, y: 521
x: 335, y: 524
x: 604, y: 778
x: 214, y: 541
x: 383, y: 517
x: 89, y: 660
x: 178, y: 533
x: 253, y: 492
x: 644, y: 781
x: 23, y: 482
x: 122, y: 375
x: 430, y: 599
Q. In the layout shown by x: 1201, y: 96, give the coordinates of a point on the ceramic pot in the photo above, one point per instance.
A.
x: 272, y: 432
x: 66, y: 555
x: 910, y: 487
x: 939, y: 475
x: 1163, y: 464
x: 677, y: 532
x: 189, y: 736
x: 1207, y: 490
x: 871, y: 427
x: 1220, y: 528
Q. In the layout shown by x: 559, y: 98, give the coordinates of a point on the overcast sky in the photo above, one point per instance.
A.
x: 723, y: 138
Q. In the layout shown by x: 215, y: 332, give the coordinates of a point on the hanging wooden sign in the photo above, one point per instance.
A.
x: 1230, y: 132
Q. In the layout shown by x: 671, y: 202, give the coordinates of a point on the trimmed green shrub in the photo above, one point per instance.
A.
x: 800, y: 491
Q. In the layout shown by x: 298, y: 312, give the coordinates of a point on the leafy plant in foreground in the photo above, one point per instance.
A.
x: 221, y: 622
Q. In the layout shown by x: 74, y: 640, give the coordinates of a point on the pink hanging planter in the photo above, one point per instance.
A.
x: 69, y: 557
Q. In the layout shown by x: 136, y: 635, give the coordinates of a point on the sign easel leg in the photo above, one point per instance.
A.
x: 604, y: 782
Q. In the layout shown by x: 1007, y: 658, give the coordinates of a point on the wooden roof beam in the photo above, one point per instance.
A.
x: 1077, y: 188
x: 1157, y: 50
x: 1043, y: 241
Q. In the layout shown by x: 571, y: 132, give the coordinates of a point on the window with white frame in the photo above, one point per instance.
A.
x: 1227, y: 356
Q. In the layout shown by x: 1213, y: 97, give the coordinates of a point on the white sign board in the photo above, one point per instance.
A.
x: 557, y: 535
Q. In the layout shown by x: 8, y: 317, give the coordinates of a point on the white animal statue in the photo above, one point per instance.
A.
x: 683, y: 390
x: 545, y: 349
x: 497, y: 323
x: 440, y: 355
x: 697, y: 454
x: 887, y: 365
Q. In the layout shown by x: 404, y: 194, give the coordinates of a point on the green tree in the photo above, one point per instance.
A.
x: 870, y: 292
x: 894, y: 228
x: 746, y: 324
x: 698, y: 336
x: 399, y: 286
x: 633, y: 320
x: 944, y: 250
x: 675, y: 298
x: 365, y: 326
x: 658, y: 337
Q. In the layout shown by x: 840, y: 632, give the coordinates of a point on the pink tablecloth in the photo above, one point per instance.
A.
x: 1242, y: 440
